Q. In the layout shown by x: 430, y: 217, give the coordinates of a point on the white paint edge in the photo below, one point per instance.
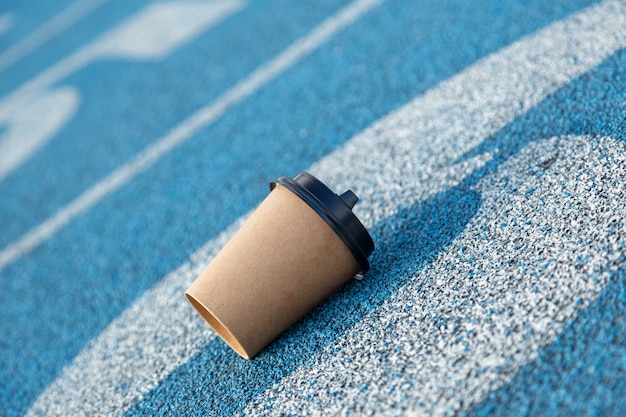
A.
x: 48, y: 31
x: 147, y: 35
x: 6, y: 22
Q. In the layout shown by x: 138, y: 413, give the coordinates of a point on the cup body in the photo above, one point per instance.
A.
x: 283, y: 262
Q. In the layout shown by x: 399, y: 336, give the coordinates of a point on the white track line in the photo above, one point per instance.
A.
x: 6, y: 23
x: 182, y: 132
x: 122, y: 41
x: 452, y: 117
x: 34, y: 113
x: 47, y: 31
x: 150, y: 34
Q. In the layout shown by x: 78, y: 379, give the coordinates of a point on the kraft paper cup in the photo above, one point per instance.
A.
x: 301, y: 244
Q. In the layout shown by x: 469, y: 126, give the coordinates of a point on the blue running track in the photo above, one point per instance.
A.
x: 486, y: 140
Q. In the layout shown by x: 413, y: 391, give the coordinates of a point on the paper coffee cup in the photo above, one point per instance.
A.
x: 300, y: 245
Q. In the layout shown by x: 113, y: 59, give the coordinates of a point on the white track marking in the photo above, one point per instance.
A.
x: 151, y: 34
x: 202, y: 118
x: 161, y: 28
x: 159, y: 355
x: 6, y: 23
x: 434, y: 129
x: 47, y: 31
x: 396, y: 162
x: 32, y: 122
x: 466, y: 322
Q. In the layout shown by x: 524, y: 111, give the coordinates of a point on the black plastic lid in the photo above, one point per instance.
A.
x: 335, y: 210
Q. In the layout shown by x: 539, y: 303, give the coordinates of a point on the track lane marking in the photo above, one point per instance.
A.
x: 35, y: 112
x: 48, y: 31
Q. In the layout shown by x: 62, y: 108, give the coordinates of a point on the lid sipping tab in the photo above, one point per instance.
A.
x: 349, y: 198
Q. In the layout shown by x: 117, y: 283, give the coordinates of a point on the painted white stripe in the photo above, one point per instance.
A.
x: 6, y: 22
x: 150, y: 34
x: 396, y: 357
x: 48, y: 31
x: 429, y: 132
x: 198, y: 120
x: 465, y: 323
x: 159, y: 354
x: 161, y: 28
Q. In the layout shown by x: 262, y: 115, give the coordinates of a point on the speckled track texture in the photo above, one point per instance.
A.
x: 486, y: 141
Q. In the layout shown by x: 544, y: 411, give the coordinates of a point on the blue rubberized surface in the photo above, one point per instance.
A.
x: 60, y: 296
